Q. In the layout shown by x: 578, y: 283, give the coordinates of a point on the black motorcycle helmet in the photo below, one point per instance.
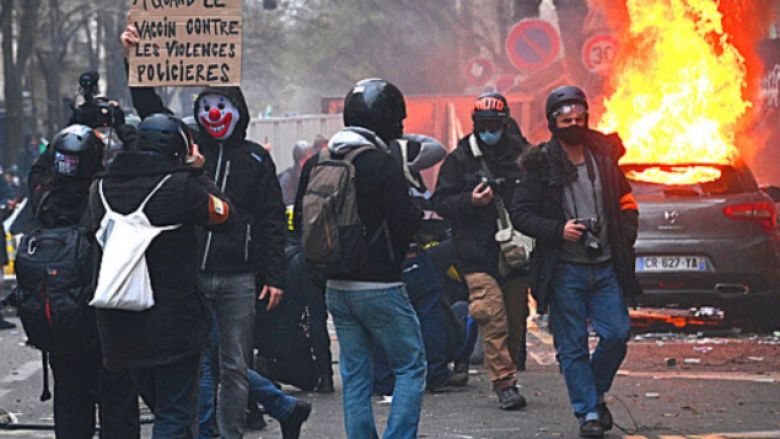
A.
x: 567, y: 94
x: 78, y: 152
x: 491, y: 106
x: 377, y: 105
x: 167, y: 135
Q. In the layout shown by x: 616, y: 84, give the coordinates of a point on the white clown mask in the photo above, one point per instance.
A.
x: 218, y: 115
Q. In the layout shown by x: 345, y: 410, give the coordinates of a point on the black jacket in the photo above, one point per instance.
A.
x: 474, y: 228
x: 537, y: 210
x: 381, y: 195
x: 179, y: 323
x: 247, y: 173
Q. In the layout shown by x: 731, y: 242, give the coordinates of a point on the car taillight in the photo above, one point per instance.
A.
x: 761, y: 212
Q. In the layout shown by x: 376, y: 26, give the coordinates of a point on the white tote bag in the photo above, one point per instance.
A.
x: 123, y: 281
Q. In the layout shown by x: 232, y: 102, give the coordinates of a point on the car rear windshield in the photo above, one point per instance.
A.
x: 731, y: 182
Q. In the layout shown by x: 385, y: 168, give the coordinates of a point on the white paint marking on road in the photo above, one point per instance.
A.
x: 543, y: 358
x: 23, y: 373
x: 27, y: 434
x: 765, y: 379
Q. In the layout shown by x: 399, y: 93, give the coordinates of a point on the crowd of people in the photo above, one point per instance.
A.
x: 210, y: 279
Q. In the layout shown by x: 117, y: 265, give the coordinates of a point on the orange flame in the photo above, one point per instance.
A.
x: 679, y: 88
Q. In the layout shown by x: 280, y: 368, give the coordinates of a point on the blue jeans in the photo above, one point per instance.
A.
x: 233, y: 298
x: 365, y: 320
x: 461, y: 310
x: 261, y: 391
x: 579, y: 293
x: 422, y: 285
x: 171, y: 392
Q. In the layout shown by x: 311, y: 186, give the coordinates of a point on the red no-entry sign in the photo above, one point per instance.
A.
x: 480, y: 71
x: 533, y: 45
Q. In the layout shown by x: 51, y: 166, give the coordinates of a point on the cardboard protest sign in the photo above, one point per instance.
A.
x: 186, y: 42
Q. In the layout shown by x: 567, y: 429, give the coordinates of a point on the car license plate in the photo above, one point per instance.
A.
x: 670, y: 263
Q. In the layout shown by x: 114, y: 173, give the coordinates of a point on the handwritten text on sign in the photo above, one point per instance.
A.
x: 186, y: 42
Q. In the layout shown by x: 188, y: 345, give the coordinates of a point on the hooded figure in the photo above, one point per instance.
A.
x: 236, y: 262
x: 246, y: 173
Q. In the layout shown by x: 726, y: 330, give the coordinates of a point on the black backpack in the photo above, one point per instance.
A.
x: 54, y: 274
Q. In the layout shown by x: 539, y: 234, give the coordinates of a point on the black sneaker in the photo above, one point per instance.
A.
x: 459, y: 376
x: 605, y: 417
x: 5, y: 324
x: 325, y: 385
x: 510, y: 398
x: 592, y: 430
x: 291, y: 428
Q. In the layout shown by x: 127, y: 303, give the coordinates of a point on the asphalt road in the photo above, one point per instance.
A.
x: 719, y: 388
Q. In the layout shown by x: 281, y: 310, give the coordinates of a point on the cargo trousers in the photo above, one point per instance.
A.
x: 501, y: 311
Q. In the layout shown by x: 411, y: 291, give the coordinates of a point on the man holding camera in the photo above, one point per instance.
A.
x: 470, y: 197
x: 576, y: 202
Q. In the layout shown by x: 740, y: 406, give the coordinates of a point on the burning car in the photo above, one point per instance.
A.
x: 708, y: 243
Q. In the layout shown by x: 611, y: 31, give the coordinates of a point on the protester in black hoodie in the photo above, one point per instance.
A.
x: 62, y: 176
x: 234, y: 262
x: 162, y: 346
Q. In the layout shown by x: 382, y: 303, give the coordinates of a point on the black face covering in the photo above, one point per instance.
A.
x: 573, y: 135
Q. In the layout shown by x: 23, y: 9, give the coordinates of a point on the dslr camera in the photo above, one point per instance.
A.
x: 590, y: 239
x: 494, y: 183
x: 94, y: 112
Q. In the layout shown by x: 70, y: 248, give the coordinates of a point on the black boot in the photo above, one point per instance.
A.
x: 325, y: 385
x: 510, y: 398
x: 591, y: 430
x: 254, y: 418
x: 291, y: 427
x: 459, y: 376
x: 605, y: 417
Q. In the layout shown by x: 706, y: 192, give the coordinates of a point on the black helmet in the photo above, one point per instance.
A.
x: 377, y: 105
x: 78, y: 152
x: 165, y: 134
x: 567, y: 94
x: 491, y: 106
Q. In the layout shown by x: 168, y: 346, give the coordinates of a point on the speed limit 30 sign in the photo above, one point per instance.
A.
x: 599, y: 52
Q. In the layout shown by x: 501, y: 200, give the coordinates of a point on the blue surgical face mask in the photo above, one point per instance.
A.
x: 491, y: 138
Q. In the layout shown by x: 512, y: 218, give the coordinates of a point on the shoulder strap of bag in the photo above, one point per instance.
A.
x: 352, y: 155
x: 503, y: 214
x: 41, y: 207
x: 403, y: 145
x: 106, y: 206
x: 153, y: 192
